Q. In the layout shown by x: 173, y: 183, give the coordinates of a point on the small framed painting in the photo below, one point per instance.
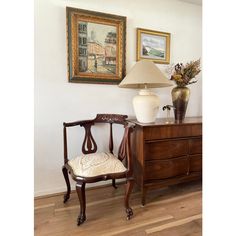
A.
x: 96, y: 46
x: 153, y: 45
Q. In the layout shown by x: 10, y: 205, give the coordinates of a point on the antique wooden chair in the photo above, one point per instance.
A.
x: 93, y: 166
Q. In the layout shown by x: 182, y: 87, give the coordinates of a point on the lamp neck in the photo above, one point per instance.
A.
x: 146, y: 91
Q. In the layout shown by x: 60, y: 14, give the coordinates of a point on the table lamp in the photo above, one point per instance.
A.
x: 144, y: 75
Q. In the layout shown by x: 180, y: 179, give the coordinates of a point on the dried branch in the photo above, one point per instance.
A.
x: 183, y: 74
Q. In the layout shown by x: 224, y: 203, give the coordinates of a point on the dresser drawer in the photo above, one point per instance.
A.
x: 195, y: 146
x: 195, y: 163
x: 166, y: 149
x: 172, y: 131
x: 163, y: 169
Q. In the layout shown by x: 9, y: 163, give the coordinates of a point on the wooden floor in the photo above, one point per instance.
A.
x: 173, y: 211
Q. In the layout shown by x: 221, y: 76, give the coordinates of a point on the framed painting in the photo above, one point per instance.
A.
x: 153, y: 45
x: 96, y: 46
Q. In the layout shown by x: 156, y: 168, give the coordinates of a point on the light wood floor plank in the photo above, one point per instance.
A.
x: 173, y: 224
x: 145, y: 223
x: 106, y: 214
x: 44, y: 206
x: 94, y: 203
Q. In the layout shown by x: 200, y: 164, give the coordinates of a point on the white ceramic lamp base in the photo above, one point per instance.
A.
x: 146, y: 106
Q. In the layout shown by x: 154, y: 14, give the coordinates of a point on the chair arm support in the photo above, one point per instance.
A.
x: 129, y: 152
x: 124, y: 149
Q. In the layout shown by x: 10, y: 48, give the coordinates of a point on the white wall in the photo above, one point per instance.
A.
x: 57, y: 101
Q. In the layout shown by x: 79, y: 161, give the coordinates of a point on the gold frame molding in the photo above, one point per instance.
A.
x: 74, y: 16
x: 154, y: 33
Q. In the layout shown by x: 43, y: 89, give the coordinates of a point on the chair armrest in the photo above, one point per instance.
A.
x: 75, y: 123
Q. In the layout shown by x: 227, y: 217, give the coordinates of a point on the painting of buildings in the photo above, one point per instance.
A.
x: 97, y: 48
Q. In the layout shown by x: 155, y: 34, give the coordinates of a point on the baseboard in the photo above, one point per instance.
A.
x: 54, y: 191
x: 62, y: 190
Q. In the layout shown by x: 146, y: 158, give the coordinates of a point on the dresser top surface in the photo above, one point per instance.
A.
x: 171, y: 121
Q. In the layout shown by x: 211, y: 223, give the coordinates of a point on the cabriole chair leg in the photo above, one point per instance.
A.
x: 114, y: 183
x: 80, y: 188
x: 128, y: 189
x: 66, y: 176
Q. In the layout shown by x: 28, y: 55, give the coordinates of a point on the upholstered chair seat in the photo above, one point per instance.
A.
x: 95, y: 164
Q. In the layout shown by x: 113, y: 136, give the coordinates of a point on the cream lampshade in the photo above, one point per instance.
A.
x: 144, y: 75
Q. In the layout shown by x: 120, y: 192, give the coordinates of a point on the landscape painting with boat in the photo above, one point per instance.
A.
x: 153, y: 46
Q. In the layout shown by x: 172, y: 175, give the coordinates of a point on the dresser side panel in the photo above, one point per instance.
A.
x: 137, y: 145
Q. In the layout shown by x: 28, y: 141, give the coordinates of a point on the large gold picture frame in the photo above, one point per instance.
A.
x: 96, y: 45
x: 153, y: 45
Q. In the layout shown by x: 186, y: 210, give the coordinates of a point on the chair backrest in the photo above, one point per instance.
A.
x: 89, y: 145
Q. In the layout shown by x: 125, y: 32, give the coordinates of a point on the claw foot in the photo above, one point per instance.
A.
x: 66, y: 197
x: 114, y: 186
x: 81, y: 219
x: 129, y: 213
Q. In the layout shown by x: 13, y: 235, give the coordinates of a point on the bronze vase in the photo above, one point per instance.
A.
x: 180, y: 97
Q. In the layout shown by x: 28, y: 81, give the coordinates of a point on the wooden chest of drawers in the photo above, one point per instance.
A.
x: 166, y: 154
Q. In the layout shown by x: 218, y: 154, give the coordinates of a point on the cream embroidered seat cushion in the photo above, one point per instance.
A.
x: 94, y: 164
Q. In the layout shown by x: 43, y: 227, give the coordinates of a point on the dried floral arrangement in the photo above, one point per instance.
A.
x: 183, y: 74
